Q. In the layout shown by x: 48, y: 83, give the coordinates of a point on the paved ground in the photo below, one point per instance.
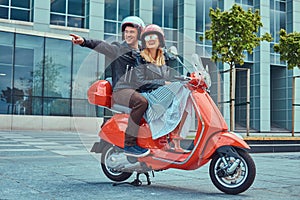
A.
x: 58, y: 165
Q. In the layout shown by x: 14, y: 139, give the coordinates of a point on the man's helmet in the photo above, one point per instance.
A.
x: 153, y: 29
x: 133, y: 21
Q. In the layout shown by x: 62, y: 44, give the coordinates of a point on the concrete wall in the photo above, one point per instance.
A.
x: 50, y: 123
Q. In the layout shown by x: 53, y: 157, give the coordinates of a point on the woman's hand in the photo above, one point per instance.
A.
x: 76, y: 39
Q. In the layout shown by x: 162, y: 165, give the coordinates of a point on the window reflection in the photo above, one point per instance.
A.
x: 4, y: 2
x: 72, y: 13
x: 203, y: 23
x: 16, y: 10
x: 6, y: 52
x: 58, y: 6
x: 115, y: 11
x: 110, y: 9
x: 277, y: 22
x: 34, y: 83
x: 168, y: 9
x: 27, y: 73
x: 57, y: 68
x: 21, y: 4
x: 17, y: 14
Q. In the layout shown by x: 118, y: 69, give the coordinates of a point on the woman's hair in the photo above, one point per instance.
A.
x: 160, y: 58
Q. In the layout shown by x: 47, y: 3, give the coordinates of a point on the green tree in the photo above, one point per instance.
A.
x: 232, y: 33
x: 289, y: 48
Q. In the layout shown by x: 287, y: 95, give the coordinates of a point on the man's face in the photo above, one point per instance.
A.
x: 131, y: 36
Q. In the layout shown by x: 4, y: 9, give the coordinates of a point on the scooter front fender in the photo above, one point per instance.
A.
x: 230, y: 139
x: 223, y: 139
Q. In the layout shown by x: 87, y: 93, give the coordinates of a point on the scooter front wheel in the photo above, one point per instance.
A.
x: 111, y: 173
x: 232, y: 175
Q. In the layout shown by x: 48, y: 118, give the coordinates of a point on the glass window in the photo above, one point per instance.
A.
x: 29, y: 64
x: 199, y: 16
x: 4, y: 2
x: 21, y: 4
x: 278, y: 17
x: 76, y: 7
x: 16, y: 10
x: 72, y: 13
x: 58, y: 6
x: 85, y: 72
x: 75, y: 21
x: 110, y: 9
x: 6, y: 66
x: 165, y: 13
x: 157, y: 12
x: 203, y: 23
x: 110, y: 27
x: 17, y: 14
x: 170, y: 14
x: 115, y: 11
x: 4, y: 13
x: 28, y: 74
x: 58, y: 19
x: 57, y: 68
x: 56, y: 107
x: 125, y: 9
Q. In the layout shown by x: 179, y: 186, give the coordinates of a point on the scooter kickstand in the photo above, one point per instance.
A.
x: 137, y: 181
x: 148, y: 178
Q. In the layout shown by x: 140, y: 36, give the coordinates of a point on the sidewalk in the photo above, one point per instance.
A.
x: 58, y: 165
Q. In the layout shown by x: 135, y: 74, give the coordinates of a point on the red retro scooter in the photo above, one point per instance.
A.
x: 231, y: 169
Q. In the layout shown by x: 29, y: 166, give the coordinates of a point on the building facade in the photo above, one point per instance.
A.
x: 44, y: 78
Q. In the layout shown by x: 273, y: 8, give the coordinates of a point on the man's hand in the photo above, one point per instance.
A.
x: 76, y: 39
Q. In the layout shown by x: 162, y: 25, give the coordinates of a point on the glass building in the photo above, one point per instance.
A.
x: 44, y: 78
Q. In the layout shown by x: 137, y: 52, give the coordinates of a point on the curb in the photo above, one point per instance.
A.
x: 264, y: 144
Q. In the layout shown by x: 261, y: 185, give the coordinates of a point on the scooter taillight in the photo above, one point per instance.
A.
x: 100, y: 93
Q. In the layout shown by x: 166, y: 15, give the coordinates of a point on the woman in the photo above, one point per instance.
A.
x: 166, y: 101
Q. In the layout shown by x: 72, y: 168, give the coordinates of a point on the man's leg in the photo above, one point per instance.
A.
x: 138, y: 104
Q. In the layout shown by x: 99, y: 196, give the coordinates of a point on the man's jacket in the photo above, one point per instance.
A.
x: 122, y: 60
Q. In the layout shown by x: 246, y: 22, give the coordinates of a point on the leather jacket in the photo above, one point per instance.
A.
x: 148, y: 76
x: 122, y: 60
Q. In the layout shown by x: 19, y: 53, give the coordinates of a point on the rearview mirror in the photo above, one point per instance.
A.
x: 173, y: 51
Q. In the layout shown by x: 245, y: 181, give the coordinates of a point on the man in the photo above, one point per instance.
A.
x: 123, y: 57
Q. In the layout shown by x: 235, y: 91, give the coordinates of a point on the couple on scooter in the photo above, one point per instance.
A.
x: 138, y: 90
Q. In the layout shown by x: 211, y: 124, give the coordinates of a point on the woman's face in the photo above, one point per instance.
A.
x: 152, y: 41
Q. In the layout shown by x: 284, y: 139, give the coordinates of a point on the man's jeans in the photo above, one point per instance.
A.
x: 138, y: 105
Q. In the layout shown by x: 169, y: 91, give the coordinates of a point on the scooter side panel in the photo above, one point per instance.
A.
x: 114, y: 129
x: 113, y: 132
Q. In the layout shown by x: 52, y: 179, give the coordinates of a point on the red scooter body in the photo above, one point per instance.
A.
x: 212, y: 141
x: 212, y: 133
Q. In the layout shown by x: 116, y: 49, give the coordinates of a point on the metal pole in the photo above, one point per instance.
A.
x: 293, y: 108
x: 248, y: 102
x: 219, y: 91
x: 232, y: 100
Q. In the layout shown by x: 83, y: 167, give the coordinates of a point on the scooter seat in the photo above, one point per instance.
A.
x: 120, y: 108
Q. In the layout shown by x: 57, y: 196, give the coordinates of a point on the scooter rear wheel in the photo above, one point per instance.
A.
x: 236, y: 181
x: 110, y: 173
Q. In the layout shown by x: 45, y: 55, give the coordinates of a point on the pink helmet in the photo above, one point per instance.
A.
x: 150, y: 29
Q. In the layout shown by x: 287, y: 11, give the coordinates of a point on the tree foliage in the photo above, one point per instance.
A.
x: 232, y: 32
x: 289, y: 48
